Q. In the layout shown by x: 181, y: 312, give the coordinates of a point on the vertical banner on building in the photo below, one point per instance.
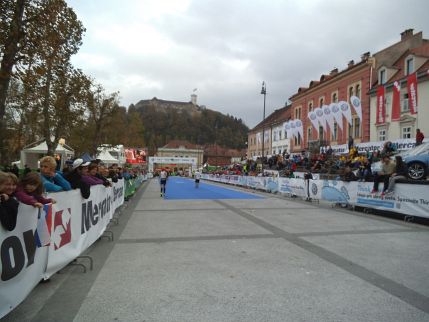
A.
x: 299, y: 128
x: 412, y: 92
x: 357, y: 106
x: 313, y: 118
x: 396, y: 99
x: 381, y: 110
x: 345, y: 109
x: 293, y: 128
x: 328, y: 117
x: 321, y: 118
x: 338, y: 116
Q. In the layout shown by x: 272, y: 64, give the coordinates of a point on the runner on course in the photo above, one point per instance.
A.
x: 163, y: 180
x: 197, y: 177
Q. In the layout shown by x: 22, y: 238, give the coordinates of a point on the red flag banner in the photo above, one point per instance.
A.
x: 381, y: 111
x: 396, y: 98
x: 412, y: 93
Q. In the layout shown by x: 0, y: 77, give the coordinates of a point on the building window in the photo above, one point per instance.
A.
x: 358, y: 90
x: 320, y: 132
x: 321, y: 101
x: 404, y: 106
x: 406, y: 132
x: 334, y: 98
x: 309, y: 132
x: 310, y: 107
x: 382, y: 77
x: 298, y: 140
x: 354, y: 129
x: 350, y: 91
x: 382, y: 135
x: 335, y: 132
x: 409, y: 66
x: 356, y: 122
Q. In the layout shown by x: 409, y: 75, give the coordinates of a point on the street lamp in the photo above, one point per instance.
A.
x: 264, y: 92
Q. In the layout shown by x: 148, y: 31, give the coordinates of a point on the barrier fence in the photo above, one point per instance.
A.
x: 407, y: 199
x: 71, y: 225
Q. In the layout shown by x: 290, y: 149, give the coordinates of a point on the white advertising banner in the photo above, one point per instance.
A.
x: 293, y: 128
x: 22, y: 262
x: 313, y: 118
x: 345, y: 109
x: 192, y: 161
x: 299, y: 128
x: 357, y: 106
x: 408, y: 199
x: 336, y: 113
x: 74, y: 224
x: 328, y: 117
x: 320, y: 118
x: 78, y: 222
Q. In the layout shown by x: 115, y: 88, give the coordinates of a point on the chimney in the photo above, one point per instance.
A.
x: 365, y: 56
x: 351, y: 63
x: 406, y: 34
x: 194, y: 99
x: 334, y: 71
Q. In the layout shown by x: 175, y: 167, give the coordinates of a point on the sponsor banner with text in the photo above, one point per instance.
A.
x: 75, y: 224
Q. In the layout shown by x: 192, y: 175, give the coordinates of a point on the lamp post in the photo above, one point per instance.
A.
x: 264, y: 92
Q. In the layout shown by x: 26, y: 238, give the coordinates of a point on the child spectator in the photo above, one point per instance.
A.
x: 52, y: 181
x: 8, y: 204
x: 30, y: 191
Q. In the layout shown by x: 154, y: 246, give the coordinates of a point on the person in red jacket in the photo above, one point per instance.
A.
x: 419, y: 137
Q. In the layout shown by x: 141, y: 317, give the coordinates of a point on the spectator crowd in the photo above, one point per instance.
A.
x: 29, y: 187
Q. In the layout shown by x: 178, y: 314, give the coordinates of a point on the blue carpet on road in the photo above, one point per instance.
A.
x: 183, y: 188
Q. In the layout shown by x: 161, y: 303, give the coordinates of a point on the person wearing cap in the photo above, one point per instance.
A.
x: 79, y: 168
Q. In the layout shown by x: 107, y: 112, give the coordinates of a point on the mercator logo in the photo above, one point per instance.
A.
x: 61, y: 234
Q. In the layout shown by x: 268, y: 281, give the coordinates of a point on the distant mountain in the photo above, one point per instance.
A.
x: 167, y: 120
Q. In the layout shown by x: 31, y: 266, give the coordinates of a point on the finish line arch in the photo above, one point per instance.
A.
x: 172, y: 160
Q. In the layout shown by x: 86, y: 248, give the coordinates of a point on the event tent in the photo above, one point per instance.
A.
x: 31, y: 154
x: 106, y: 157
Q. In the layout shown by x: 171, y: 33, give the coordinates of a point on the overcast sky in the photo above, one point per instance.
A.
x: 226, y: 48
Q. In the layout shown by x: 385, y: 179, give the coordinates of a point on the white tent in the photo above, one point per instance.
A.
x: 106, y: 157
x: 31, y: 154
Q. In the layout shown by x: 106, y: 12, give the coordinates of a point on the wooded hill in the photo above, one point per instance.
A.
x: 185, y: 121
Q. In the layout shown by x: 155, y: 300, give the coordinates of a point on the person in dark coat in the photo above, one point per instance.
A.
x: 75, y: 177
x: 8, y: 203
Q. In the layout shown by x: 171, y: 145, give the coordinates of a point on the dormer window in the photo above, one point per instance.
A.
x: 409, y: 65
x: 382, y: 76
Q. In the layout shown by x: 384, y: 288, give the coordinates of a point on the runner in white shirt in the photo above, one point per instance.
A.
x: 197, y: 177
x: 163, y: 180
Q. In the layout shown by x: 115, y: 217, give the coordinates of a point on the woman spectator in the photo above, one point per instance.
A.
x: 401, y: 172
x: 8, y: 204
x: 52, y: 180
x: 90, y: 177
x: 103, y: 173
x: 30, y: 191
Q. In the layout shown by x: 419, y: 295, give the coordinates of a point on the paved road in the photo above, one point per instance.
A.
x: 268, y: 259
